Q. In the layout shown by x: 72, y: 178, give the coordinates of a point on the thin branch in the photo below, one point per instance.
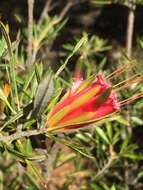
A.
x: 105, y: 168
x: 30, y: 32
x: 112, y: 157
x: 129, y: 43
x: 126, y: 174
x: 21, y: 134
x: 53, y: 23
x: 45, y: 10
x: 130, y: 27
x: 66, y: 9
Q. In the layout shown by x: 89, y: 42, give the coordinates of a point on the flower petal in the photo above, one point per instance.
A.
x: 69, y: 108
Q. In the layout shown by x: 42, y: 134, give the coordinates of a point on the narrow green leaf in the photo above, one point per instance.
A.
x: 76, y: 48
x: 24, y: 155
x: 28, y: 147
x: 12, y: 119
x: 3, y: 46
x: 28, y: 123
x: 124, y: 145
x: 82, y: 151
x: 12, y: 72
x: 44, y: 93
x: 27, y: 82
x: 32, y: 168
x: 76, y: 148
x: 122, y: 120
x: 116, y: 137
x: 113, y: 187
x: 102, y: 134
x: 38, y: 71
x: 133, y: 156
x: 6, y: 37
x: 33, y: 182
x: 1, y: 180
x: 137, y: 120
x: 109, y: 130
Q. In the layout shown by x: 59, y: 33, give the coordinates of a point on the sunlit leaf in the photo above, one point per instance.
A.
x: 43, y: 95
x: 102, y: 134
x: 24, y: 155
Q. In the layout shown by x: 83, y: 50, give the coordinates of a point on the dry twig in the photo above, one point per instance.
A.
x: 21, y: 134
x: 112, y: 157
x: 50, y: 26
x: 130, y: 27
x: 30, y: 31
x: 45, y: 10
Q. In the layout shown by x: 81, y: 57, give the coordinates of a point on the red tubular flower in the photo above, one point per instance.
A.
x: 86, y: 102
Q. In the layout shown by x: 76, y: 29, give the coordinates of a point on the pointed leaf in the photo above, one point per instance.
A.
x: 44, y: 93
x: 24, y: 155
x: 113, y: 187
x: 76, y: 48
x: 102, y: 134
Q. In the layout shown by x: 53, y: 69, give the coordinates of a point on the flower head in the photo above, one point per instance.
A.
x: 86, y: 102
x: 92, y: 100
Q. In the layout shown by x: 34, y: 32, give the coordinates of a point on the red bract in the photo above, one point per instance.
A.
x: 86, y: 102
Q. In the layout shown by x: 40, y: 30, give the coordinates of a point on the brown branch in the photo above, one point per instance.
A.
x: 130, y: 27
x: 21, y: 134
x: 129, y: 44
x: 129, y: 41
x: 30, y: 32
x: 44, y: 11
x: 66, y: 9
x: 112, y: 158
x: 53, y: 23
x: 105, y: 168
